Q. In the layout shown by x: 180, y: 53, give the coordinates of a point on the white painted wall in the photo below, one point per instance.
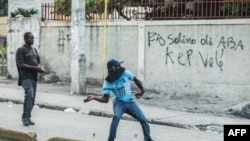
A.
x: 214, y: 61
x: 212, y: 57
x: 56, y: 48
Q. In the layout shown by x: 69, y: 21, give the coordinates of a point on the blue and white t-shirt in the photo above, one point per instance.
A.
x: 120, y: 87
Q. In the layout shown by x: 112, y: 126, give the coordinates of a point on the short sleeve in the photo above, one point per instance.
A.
x: 38, y: 57
x: 129, y: 75
x: 19, y: 56
x: 106, y: 88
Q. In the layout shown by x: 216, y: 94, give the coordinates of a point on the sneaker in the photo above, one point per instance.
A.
x: 25, y: 122
x: 31, y: 122
x: 110, y: 139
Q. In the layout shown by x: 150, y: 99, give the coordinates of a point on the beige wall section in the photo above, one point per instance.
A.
x: 3, y: 26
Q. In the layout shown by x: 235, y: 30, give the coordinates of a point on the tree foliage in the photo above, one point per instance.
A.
x: 63, y: 7
x: 23, y: 12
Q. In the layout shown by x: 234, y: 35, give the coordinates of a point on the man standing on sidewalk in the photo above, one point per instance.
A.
x: 117, y: 81
x: 28, y: 66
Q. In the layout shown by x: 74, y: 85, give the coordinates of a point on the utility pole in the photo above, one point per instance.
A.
x: 78, y: 60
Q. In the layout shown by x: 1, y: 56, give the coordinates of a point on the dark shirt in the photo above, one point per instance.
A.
x: 29, y: 56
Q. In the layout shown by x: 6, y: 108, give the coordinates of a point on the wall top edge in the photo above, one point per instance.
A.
x: 55, y: 23
x: 153, y: 22
x: 174, y: 22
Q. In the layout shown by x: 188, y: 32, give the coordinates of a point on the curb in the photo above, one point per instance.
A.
x: 99, y: 113
x: 110, y: 115
x: 17, y: 135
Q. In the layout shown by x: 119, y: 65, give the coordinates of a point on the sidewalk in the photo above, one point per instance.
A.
x: 72, y: 102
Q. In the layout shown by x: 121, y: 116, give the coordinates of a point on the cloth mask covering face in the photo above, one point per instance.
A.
x: 114, y: 74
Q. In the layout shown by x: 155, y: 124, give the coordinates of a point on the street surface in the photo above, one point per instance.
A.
x: 52, y: 123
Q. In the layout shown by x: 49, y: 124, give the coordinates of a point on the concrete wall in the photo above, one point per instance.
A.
x: 122, y: 43
x: 208, y: 57
x: 171, y: 57
x: 205, y: 57
x: 55, y: 48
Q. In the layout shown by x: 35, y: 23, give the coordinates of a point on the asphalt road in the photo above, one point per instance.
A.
x: 51, y: 123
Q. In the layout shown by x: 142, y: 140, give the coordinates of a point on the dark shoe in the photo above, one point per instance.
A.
x: 31, y: 122
x: 26, y: 122
x: 111, y: 139
x: 149, y: 139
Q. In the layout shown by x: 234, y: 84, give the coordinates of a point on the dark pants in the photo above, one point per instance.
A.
x: 132, y: 109
x: 29, y: 87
